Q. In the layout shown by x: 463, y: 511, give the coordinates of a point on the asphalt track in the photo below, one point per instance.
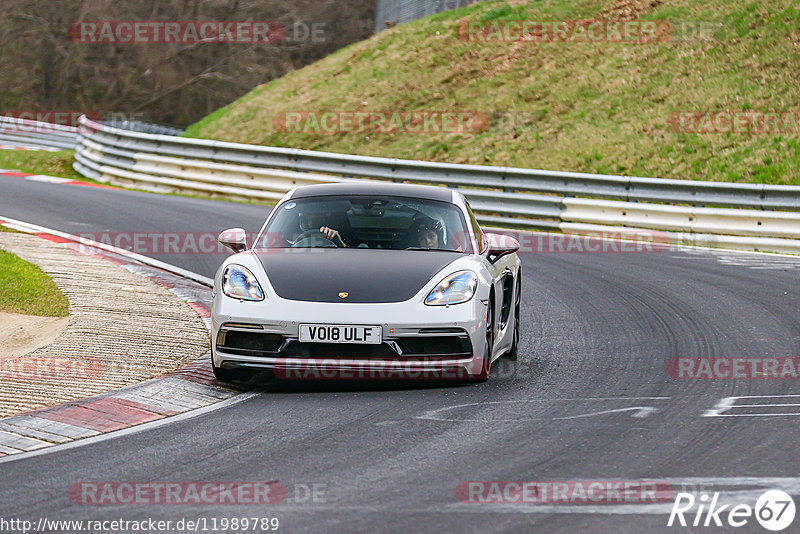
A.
x: 589, y: 399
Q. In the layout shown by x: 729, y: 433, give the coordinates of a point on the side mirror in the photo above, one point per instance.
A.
x: 499, y: 245
x: 234, y: 238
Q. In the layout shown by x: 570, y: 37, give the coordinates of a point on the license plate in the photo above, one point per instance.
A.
x: 335, y: 333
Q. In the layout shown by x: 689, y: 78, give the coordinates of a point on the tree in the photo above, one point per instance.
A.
x: 46, y: 68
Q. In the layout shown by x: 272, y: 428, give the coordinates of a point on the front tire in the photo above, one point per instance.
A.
x: 486, y: 362
x: 229, y: 375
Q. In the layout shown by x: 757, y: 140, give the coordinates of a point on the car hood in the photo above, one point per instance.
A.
x: 365, y: 275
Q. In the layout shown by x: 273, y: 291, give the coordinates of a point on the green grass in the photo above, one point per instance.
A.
x: 578, y: 107
x: 41, y: 162
x: 25, y: 289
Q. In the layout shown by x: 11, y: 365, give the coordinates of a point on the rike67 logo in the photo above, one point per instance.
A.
x: 774, y: 510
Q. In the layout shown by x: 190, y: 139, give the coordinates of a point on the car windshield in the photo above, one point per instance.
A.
x: 374, y: 222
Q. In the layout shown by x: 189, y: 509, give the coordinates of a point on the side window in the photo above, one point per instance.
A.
x: 476, y: 229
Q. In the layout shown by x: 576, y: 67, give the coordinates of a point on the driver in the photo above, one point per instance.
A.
x: 315, y: 221
x: 332, y: 234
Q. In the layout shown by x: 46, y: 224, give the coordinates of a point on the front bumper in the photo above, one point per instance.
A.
x: 418, y: 341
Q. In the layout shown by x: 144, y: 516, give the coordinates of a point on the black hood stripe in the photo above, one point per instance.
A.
x: 367, y: 276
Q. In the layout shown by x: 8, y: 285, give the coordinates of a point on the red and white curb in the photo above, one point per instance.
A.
x: 184, y: 390
x: 26, y: 147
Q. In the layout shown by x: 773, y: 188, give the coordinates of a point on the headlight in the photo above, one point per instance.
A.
x: 239, y: 283
x: 457, y: 288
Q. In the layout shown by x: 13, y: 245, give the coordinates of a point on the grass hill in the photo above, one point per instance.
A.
x: 605, y: 107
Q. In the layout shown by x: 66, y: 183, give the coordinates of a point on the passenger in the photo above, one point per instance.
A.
x: 427, y: 232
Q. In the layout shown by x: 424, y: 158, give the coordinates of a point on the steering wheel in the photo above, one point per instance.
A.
x: 311, y: 236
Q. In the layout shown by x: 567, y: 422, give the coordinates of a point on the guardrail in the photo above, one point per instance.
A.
x: 765, y: 216
x: 393, y: 12
x: 26, y: 133
x: 142, y: 126
x: 34, y: 134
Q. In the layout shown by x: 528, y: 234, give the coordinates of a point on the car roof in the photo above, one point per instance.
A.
x: 369, y: 187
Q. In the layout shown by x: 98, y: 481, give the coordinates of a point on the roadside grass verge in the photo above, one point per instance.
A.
x: 26, y: 289
x: 41, y: 162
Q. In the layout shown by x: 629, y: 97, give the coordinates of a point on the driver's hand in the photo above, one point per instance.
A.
x: 331, y: 234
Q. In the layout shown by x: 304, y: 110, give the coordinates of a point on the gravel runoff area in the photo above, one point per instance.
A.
x: 123, y: 329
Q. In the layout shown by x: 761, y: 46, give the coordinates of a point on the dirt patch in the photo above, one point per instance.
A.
x: 630, y: 9
x: 21, y: 334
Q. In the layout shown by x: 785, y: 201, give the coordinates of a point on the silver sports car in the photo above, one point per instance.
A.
x: 366, y: 280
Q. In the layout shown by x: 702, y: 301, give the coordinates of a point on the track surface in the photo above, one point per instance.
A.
x: 598, y: 330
